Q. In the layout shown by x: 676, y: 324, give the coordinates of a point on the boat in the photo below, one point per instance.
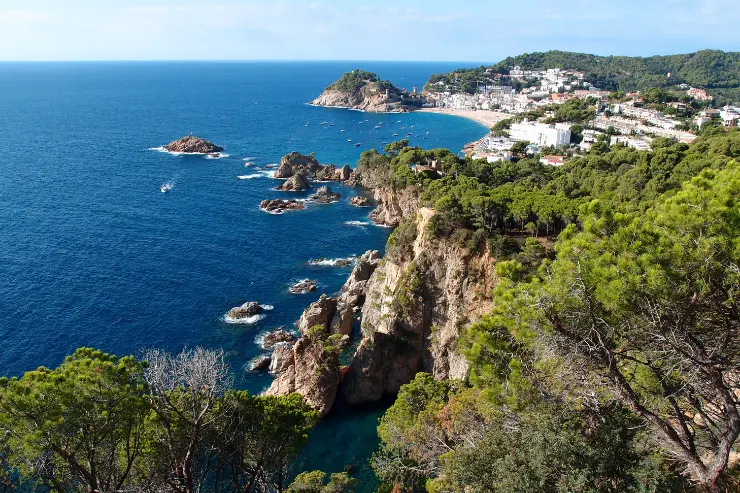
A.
x: 341, y: 131
x: 357, y: 145
x: 409, y: 133
x: 331, y: 124
x: 324, y: 123
x: 349, y: 140
x: 307, y: 124
x: 399, y: 121
x: 377, y: 126
x: 394, y: 135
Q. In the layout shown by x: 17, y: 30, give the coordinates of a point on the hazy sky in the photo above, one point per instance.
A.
x: 464, y: 30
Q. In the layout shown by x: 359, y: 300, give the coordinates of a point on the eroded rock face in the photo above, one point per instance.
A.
x: 282, y: 357
x: 248, y: 309
x: 313, y: 371
x: 278, y: 206
x: 259, y: 363
x: 296, y: 183
x: 325, y: 195
x: 345, y: 173
x: 360, y: 201
x: 294, y: 162
x: 414, y: 310
x: 394, y: 206
x: 371, y: 97
x: 193, y: 145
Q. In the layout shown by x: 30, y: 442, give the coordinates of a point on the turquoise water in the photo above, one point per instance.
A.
x: 93, y: 254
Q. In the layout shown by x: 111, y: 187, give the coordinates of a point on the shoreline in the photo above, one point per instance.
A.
x: 484, y: 117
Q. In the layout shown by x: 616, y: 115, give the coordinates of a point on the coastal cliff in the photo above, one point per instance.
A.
x: 413, y: 303
x: 417, y: 302
x: 365, y: 91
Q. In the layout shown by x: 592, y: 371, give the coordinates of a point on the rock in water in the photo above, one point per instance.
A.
x: 248, y: 309
x: 259, y: 363
x: 294, y: 162
x: 296, y: 183
x: 365, y: 91
x: 324, y: 195
x: 275, y: 337
x: 304, y: 286
x: 193, y: 145
x: 278, y: 206
x: 360, y: 201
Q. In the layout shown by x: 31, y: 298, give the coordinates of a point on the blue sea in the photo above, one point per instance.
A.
x: 92, y: 253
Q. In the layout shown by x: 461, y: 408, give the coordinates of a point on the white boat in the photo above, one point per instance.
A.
x: 349, y: 140
x: 341, y: 131
x: 307, y: 124
x: 394, y: 135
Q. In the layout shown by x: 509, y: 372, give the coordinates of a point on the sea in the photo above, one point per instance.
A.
x: 94, y: 254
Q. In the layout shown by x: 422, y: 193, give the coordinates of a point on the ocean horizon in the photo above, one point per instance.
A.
x: 93, y: 254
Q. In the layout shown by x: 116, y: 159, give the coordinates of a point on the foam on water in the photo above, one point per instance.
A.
x: 250, y: 176
x: 361, y: 224
x: 334, y: 262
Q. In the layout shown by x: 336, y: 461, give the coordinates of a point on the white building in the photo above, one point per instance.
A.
x: 640, y: 145
x: 541, y: 133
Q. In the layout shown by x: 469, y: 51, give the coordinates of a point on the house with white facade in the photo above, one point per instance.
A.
x: 541, y: 133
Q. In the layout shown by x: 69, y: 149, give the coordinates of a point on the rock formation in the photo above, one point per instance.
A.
x: 344, y: 173
x: 275, y: 337
x: 193, y: 145
x: 248, y: 309
x: 259, y: 363
x: 312, y: 368
x: 296, y: 183
x: 415, y: 308
x: 393, y: 206
x: 365, y: 91
x: 282, y: 357
x: 325, y: 195
x: 303, y: 286
x: 278, y: 206
x: 360, y: 201
x: 294, y: 162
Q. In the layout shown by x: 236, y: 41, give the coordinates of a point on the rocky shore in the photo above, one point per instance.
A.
x: 364, y: 91
x: 278, y: 206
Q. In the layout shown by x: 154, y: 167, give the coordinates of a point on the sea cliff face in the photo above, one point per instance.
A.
x: 415, y: 308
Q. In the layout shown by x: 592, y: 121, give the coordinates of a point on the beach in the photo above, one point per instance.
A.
x: 487, y: 118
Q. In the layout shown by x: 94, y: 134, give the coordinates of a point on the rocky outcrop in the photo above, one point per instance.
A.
x: 360, y: 201
x: 193, y: 145
x: 296, y: 183
x: 312, y: 368
x: 282, y: 357
x: 295, y: 162
x: 278, y: 206
x: 414, y: 310
x: 364, y: 91
x: 248, y: 309
x: 344, y: 173
x: 259, y: 363
x: 327, y: 172
x: 393, y: 206
x: 325, y: 195
x: 272, y: 338
x: 303, y: 286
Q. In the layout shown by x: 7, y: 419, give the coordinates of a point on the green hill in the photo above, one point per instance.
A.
x: 715, y: 70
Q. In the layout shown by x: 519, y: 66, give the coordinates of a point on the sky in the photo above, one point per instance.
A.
x: 433, y: 30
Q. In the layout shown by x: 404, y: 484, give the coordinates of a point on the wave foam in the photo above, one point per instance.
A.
x: 248, y: 320
x: 357, y: 223
x: 217, y: 155
x: 249, y: 177
x: 334, y: 262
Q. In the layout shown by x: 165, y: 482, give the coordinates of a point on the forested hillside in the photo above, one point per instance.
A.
x: 610, y: 361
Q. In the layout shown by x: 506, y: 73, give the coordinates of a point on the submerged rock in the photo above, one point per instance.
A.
x: 296, y: 183
x: 248, y: 309
x: 275, y: 337
x: 278, y: 206
x: 325, y: 195
x: 304, y: 286
x: 360, y: 201
x: 193, y: 145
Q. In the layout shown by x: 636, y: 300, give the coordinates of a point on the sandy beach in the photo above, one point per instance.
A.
x: 487, y: 118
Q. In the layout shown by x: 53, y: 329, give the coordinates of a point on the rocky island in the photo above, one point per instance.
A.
x: 191, y: 144
x: 361, y: 90
x: 278, y: 206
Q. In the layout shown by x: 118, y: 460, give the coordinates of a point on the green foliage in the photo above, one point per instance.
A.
x: 401, y: 242
x: 102, y: 423
x: 313, y: 482
x: 353, y: 81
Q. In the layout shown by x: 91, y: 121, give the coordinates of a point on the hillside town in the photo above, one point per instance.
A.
x: 632, y: 119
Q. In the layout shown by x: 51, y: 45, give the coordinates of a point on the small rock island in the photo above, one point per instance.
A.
x: 191, y: 144
x: 362, y: 90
